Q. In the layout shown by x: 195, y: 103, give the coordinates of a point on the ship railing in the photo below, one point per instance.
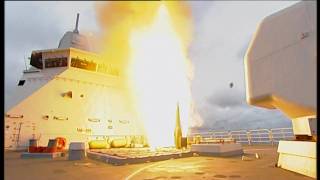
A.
x: 253, y: 136
x: 103, y: 137
x: 43, y: 138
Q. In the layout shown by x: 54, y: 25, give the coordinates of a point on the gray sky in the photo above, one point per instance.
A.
x: 222, y: 32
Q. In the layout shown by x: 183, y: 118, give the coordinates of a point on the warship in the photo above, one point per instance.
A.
x: 68, y: 92
x: 71, y: 92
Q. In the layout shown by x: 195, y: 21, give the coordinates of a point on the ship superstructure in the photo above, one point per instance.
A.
x: 69, y: 92
x: 281, y: 73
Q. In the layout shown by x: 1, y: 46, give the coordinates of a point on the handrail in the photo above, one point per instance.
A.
x: 252, y: 136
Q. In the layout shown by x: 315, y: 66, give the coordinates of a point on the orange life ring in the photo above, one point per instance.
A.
x: 61, y: 143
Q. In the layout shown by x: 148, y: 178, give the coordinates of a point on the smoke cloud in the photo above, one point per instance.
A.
x: 118, y: 20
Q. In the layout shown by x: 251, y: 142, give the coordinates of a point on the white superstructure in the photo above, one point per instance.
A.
x: 69, y: 92
x: 281, y: 61
x: 281, y: 69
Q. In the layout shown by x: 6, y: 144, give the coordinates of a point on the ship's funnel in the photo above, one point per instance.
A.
x: 76, y: 28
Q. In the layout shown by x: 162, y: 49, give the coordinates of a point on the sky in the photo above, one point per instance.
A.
x: 222, y: 31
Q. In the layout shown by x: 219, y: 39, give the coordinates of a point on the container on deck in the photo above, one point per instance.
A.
x: 77, y: 151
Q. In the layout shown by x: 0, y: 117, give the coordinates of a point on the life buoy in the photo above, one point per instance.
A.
x: 61, y: 142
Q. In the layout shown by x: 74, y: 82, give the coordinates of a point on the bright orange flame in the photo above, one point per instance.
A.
x: 158, y: 74
x: 148, y: 41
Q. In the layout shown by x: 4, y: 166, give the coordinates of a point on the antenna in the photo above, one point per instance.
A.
x: 76, y: 28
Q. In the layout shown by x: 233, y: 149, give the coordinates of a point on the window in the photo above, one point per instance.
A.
x: 56, y: 62
x: 107, y: 69
x: 36, y: 60
x: 21, y: 82
x: 83, y: 64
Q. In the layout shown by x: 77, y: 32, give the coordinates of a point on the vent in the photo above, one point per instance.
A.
x: 67, y: 94
x: 21, y: 82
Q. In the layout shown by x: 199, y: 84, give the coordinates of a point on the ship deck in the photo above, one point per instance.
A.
x: 196, y: 167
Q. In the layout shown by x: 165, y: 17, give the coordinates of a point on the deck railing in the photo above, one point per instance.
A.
x: 254, y: 136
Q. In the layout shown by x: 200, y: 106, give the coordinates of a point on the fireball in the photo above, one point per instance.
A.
x: 158, y: 71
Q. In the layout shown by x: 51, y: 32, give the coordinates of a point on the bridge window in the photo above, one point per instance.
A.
x: 56, y: 62
x: 36, y: 60
x: 83, y: 64
x: 107, y: 69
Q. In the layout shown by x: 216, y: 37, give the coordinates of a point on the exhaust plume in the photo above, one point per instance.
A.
x: 148, y: 42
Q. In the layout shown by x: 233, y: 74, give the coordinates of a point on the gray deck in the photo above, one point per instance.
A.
x: 26, y: 155
x: 196, y: 167
x: 126, y: 156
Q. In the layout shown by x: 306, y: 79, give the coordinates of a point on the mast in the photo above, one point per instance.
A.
x: 76, y: 28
